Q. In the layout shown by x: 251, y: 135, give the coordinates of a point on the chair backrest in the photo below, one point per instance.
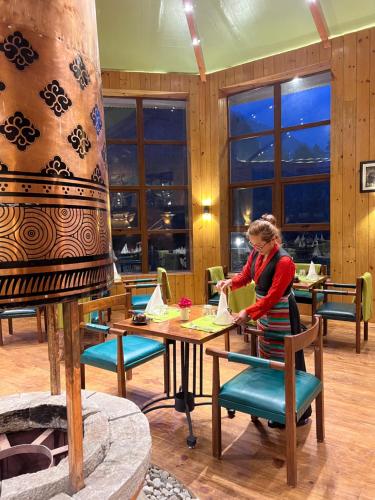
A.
x: 366, y: 296
x: 295, y: 343
x: 104, y: 304
x: 215, y: 273
x: 162, y: 279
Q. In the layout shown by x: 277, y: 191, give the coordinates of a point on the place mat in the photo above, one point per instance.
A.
x: 172, y: 312
x: 305, y: 279
x: 205, y: 324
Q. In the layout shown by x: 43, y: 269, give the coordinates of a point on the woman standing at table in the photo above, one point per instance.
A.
x: 275, y: 309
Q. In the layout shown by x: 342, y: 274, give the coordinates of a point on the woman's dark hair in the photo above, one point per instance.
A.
x: 266, y: 227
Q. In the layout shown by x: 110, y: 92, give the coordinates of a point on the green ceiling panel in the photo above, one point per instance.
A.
x: 144, y: 35
x: 344, y: 16
x: 233, y: 32
x: 153, y: 36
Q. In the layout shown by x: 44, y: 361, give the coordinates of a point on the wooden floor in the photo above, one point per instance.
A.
x: 253, y: 464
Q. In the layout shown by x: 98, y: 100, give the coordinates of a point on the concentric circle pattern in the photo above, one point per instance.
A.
x: 37, y: 233
x: 10, y: 219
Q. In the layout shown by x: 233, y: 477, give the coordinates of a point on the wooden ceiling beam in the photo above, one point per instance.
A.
x: 189, y: 13
x: 320, y: 21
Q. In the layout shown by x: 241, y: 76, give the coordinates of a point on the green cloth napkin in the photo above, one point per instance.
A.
x: 161, y: 271
x: 205, y: 324
x: 216, y: 274
x: 241, y: 298
x: 367, y: 297
x: 172, y: 312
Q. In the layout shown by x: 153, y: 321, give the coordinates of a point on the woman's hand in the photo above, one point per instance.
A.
x: 223, y: 284
x: 241, y: 318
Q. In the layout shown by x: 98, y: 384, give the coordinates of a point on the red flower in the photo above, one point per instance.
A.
x: 184, y: 302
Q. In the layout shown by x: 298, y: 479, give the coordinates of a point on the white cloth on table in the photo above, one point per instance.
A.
x: 155, y: 304
x: 223, y: 316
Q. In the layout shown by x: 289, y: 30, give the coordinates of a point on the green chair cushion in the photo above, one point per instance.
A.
x: 261, y: 392
x: 337, y: 310
x: 305, y: 297
x: 140, y: 301
x: 137, y: 350
x: 18, y: 313
x: 214, y: 299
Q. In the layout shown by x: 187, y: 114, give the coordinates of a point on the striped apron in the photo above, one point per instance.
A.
x: 275, y: 325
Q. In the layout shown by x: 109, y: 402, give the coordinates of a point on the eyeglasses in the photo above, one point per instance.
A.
x: 258, y: 247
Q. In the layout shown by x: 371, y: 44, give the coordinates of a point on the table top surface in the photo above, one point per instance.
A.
x: 308, y: 285
x: 173, y: 330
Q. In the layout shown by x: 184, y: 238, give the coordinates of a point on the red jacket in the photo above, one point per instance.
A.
x: 284, y: 274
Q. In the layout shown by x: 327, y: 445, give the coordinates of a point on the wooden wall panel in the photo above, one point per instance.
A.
x: 352, y: 62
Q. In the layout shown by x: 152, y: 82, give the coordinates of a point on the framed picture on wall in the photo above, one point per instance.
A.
x: 367, y: 176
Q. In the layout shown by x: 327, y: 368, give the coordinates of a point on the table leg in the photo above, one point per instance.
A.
x: 191, y: 439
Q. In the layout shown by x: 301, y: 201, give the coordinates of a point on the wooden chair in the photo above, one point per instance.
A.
x: 26, y: 312
x: 353, y: 311
x: 272, y: 390
x: 121, y: 354
x: 140, y: 301
x: 211, y: 294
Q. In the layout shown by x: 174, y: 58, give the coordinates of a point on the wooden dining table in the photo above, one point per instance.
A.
x: 184, y: 390
x: 308, y: 285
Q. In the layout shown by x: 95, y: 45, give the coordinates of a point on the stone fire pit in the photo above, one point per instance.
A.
x: 116, y: 446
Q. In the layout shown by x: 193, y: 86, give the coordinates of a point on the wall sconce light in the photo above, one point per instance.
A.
x: 247, y: 216
x: 167, y: 218
x: 206, y: 212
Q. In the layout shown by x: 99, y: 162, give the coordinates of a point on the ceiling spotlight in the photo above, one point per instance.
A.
x: 188, y: 7
x: 311, y: 1
x: 196, y: 41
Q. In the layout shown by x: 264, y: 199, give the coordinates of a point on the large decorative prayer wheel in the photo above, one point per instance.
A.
x: 55, y: 239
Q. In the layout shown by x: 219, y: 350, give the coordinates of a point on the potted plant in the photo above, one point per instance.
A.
x: 185, y: 304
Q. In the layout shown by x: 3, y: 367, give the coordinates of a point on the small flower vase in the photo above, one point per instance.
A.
x: 185, y: 313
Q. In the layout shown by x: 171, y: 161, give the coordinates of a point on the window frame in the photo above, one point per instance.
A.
x: 141, y: 188
x: 278, y: 182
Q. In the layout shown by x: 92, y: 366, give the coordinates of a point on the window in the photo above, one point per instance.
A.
x: 148, y: 179
x: 279, y: 155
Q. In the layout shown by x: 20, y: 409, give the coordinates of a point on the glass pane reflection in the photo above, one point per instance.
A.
x: 128, y: 251
x: 252, y: 159
x: 306, y: 100
x: 171, y: 251
x: 167, y: 209
x: 306, y: 203
x: 164, y: 119
x: 251, y: 111
x: 250, y: 203
x: 120, y: 118
x: 306, y: 151
x: 308, y: 246
x: 166, y: 164
x: 124, y: 210
x: 239, y: 251
x: 122, y: 164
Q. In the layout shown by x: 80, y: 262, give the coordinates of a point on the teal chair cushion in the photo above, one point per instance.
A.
x: 18, y: 313
x: 140, y: 301
x: 261, y: 392
x: 96, y: 327
x: 137, y: 350
x: 337, y: 310
x: 305, y: 297
x: 214, y: 299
